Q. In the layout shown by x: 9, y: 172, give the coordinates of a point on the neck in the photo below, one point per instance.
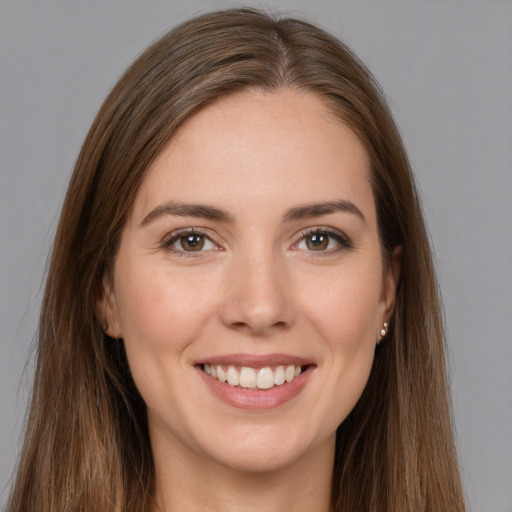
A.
x: 186, y: 481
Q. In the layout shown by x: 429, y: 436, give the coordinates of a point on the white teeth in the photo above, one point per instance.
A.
x: 233, y: 376
x: 253, y: 378
x: 265, y: 379
x: 247, y: 377
x: 289, y: 373
x: 221, y: 374
x: 279, y: 376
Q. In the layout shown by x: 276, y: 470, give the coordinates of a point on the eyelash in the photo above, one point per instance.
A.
x: 175, y: 236
x: 341, y: 239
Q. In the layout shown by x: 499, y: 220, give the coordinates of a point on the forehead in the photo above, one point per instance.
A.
x: 260, y: 148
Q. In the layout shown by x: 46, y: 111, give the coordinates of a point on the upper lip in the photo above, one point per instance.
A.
x: 256, y: 361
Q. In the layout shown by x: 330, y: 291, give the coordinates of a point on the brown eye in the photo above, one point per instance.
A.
x: 192, y: 242
x: 317, y: 241
x: 187, y: 242
x: 324, y: 242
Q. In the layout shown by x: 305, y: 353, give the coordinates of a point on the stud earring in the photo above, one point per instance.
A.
x: 384, y: 330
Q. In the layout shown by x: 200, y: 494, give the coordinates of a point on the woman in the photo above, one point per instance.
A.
x: 241, y: 310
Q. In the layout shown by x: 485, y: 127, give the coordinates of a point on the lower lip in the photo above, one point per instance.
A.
x: 257, y: 399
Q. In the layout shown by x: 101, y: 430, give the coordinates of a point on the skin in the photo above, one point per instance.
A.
x: 257, y: 287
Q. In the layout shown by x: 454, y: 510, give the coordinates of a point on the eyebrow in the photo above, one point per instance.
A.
x: 187, y: 210
x: 319, y: 209
x: 213, y: 213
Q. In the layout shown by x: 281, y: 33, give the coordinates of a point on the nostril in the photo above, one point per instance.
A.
x: 257, y: 328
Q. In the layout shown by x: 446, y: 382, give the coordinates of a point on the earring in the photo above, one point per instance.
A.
x: 384, y: 330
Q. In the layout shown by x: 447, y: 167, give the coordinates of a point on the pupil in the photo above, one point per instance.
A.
x: 192, y: 240
x: 317, y: 239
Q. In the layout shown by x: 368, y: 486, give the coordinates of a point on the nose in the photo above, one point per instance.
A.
x: 258, y: 299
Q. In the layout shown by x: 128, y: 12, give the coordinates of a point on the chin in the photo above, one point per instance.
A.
x: 266, y: 450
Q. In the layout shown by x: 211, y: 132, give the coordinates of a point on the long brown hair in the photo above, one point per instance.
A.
x: 86, y: 443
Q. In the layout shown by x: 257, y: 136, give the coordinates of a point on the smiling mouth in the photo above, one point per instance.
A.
x: 249, y: 378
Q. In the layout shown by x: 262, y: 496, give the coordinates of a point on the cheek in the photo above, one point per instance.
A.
x: 159, y: 311
x: 345, y: 318
x: 160, y: 316
x: 345, y: 307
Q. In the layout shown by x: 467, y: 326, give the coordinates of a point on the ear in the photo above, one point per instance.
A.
x: 106, y: 309
x: 390, y: 281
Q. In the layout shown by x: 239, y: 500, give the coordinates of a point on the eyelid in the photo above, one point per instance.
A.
x: 341, y: 238
x: 173, y: 236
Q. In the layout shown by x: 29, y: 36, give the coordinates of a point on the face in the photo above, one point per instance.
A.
x: 249, y: 287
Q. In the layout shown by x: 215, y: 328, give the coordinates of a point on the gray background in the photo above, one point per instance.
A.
x: 446, y: 67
